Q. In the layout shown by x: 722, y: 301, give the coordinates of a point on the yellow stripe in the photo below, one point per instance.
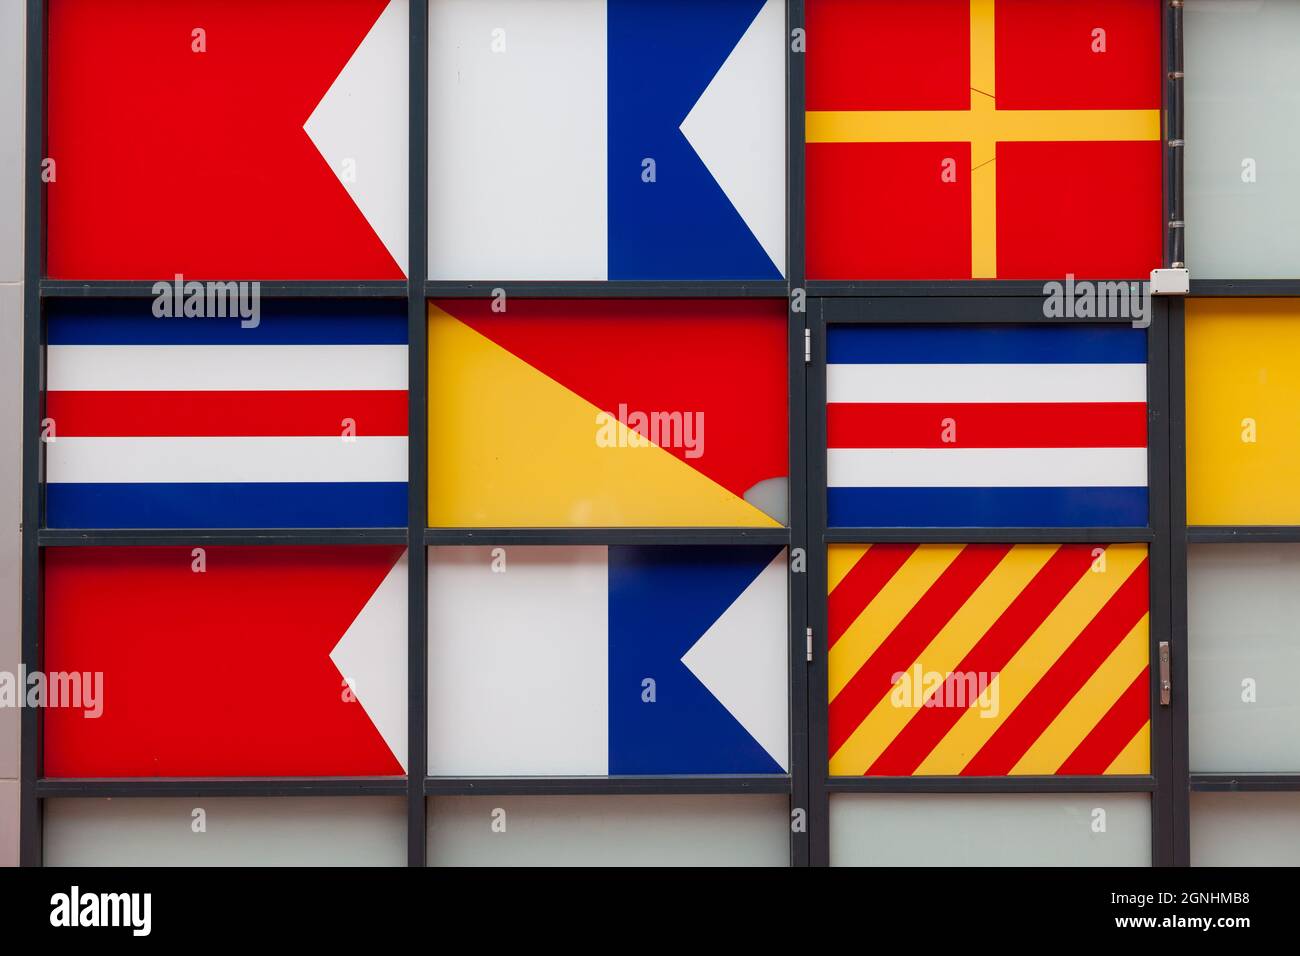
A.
x: 958, y: 126
x: 953, y: 642
x: 983, y: 54
x: 840, y: 559
x: 881, y: 616
x: 1086, y: 709
x: 1136, y: 756
x: 984, y: 221
x: 1027, y: 667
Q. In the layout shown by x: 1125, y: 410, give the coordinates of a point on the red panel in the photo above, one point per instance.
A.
x: 1045, y: 57
x: 1102, y: 221
x: 887, y: 55
x: 174, y: 161
x: 221, y: 673
x: 883, y: 211
x: 724, y: 358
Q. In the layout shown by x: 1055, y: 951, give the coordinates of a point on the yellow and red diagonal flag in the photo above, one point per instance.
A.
x: 1010, y: 139
x: 989, y: 659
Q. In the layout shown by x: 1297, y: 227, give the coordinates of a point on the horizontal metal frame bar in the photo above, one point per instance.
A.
x: 579, y: 786
x: 1245, y: 782
x: 222, y: 787
x: 74, y: 538
x: 993, y: 535
x: 63, y: 289
x: 774, y: 289
x: 979, y: 288
x: 948, y: 310
x: 1245, y: 287
x: 1041, y: 784
x: 575, y: 536
x: 1258, y: 534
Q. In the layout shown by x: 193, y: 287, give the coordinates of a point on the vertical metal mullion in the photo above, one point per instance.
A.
x: 798, y: 425
x: 417, y: 445
x: 818, y: 711
x: 1160, y: 564
x: 1170, y: 729
x: 1172, y: 32
x: 31, y: 835
x: 1179, y: 750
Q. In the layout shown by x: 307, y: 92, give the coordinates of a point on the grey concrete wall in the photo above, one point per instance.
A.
x: 12, y: 87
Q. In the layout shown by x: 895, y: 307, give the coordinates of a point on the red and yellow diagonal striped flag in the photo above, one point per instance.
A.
x: 989, y: 659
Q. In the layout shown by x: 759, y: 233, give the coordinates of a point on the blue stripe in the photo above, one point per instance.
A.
x: 252, y: 505
x: 281, y: 322
x: 979, y: 344
x: 986, y: 507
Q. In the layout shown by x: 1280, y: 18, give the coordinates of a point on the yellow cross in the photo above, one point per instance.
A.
x: 983, y: 126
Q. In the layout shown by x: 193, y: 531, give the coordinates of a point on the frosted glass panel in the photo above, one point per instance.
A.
x: 1243, y: 605
x: 985, y: 829
x: 610, y: 831
x: 1242, y: 169
x: 237, y: 831
x: 1246, y: 829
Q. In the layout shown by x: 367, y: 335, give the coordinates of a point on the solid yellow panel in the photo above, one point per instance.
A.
x: 1243, y: 411
x: 509, y: 446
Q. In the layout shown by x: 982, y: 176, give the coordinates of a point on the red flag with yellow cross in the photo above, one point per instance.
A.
x: 1007, y: 139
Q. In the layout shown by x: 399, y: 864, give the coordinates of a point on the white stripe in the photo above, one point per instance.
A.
x: 986, y: 467
x: 115, y: 368
x: 518, y: 156
x: 1112, y: 382
x: 312, y: 458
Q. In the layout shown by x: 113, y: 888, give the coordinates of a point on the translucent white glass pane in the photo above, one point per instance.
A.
x: 1243, y: 605
x: 1246, y: 829
x: 226, y: 831
x: 987, y: 829
x: 637, y: 830
x: 1242, y: 168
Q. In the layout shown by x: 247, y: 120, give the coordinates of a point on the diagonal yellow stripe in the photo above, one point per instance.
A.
x: 1086, y: 708
x: 1028, y: 665
x: 917, y: 575
x: 980, y: 125
x: 1136, y: 755
x: 840, y: 559
x: 953, y: 642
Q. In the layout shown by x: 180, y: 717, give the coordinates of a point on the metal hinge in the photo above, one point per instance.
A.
x: 1166, y: 686
x: 807, y: 346
x: 808, y: 634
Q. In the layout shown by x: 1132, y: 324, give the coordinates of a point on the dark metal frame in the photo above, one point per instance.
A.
x: 827, y: 303
x: 419, y: 789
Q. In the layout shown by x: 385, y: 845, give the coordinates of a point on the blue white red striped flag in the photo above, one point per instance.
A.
x: 200, y: 422
x: 963, y: 426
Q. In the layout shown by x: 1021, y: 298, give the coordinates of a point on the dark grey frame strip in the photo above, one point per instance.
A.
x: 417, y: 312
x: 31, y: 826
